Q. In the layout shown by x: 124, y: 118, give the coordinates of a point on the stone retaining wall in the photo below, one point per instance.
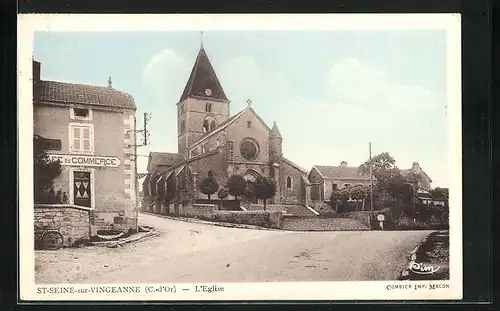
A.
x: 73, y: 222
x: 209, y: 212
x: 256, y: 218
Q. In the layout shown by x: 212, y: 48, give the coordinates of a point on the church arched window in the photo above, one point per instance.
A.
x: 208, y: 107
x: 206, y: 126
x: 289, y: 182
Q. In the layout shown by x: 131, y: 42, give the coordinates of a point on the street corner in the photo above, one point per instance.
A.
x: 114, y: 241
x: 430, y: 259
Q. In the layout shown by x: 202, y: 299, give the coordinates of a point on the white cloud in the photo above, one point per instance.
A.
x: 363, y: 84
x: 243, y: 77
x: 165, y: 75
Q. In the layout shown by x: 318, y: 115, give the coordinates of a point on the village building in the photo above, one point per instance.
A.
x: 211, y: 141
x: 91, y: 131
x: 424, y: 182
x: 327, y: 179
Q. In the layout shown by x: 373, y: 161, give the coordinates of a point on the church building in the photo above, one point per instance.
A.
x: 211, y: 141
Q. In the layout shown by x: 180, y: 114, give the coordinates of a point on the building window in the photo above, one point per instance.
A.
x: 334, y: 186
x: 203, y: 149
x: 289, y: 182
x: 81, y: 114
x: 249, y: 124
x: 208, y: 107
x: 127, y: 176
x: 213, y: 125
x: 81, y: 138
x: 127, y: 135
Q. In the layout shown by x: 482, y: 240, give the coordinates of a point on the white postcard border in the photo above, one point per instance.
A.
x: 371, y: 290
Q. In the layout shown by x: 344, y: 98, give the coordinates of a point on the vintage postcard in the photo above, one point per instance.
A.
x: 239, y: 157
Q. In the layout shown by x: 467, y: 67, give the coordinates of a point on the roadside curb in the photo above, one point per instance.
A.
x: 212, y: 223
x: 120, y: 243
x: 413, y: 256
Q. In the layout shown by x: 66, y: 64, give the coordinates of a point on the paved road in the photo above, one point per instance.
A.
x: 191, y: 252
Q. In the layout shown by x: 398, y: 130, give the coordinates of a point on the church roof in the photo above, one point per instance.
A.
x: 228, y: 122
x: 294, y: 165
x: 274, y: 131
x: 203, y: 77
x: 163, y: 159
x: 339, y: 172
x: 70, y: 93
x: 221, y: 127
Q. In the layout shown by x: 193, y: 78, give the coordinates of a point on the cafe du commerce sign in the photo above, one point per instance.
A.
x: 84, y: 160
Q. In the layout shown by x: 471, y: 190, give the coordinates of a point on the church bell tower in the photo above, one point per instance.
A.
x: 203, y: 104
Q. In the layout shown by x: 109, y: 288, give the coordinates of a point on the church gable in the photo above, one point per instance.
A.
x: 250, y: 137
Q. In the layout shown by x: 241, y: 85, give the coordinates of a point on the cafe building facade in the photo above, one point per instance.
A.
x: 91, y: 130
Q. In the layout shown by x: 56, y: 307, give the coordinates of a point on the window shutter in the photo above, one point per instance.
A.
x: 76, y: 138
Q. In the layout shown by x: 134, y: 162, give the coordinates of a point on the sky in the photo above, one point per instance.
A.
x: 330, y: 92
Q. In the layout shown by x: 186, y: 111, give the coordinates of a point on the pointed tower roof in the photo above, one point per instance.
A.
x: 203, y: 81
x: 274, y: 131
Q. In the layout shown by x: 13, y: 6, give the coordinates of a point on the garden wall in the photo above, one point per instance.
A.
x: 257, y: 218
x: 209, y: 212
x: 72, y: 221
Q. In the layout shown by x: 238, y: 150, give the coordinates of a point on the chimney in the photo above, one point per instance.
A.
x: 36, y: 72
x: 343, y: 164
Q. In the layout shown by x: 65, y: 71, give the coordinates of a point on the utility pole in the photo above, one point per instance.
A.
x: 145, y: 133
x: 147, y: 118
x: 371, y: 179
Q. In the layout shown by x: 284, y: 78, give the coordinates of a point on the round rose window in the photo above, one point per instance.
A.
x: 249, y: 149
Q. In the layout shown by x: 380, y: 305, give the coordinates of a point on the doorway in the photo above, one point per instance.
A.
x: 82, y: 194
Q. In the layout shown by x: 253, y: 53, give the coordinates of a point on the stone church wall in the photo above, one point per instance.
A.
x: 239, y: 130
x: 215, y: 163
x: 295, y: 194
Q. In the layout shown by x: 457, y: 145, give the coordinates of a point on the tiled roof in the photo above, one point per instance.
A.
x: 70, y: 93
x: 416, y: 170
x: 203, y: 77
x: 226, y: 123
x: 295, y: 165
x: 164, y: 159
x: 333, y: 172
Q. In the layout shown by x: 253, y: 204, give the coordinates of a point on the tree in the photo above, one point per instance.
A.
x: 265, y: 188
x: 209, y: 185
x: 360, y: 193
x: 236, y: 186
x: 222, y: 194
x: 45, y: 171
x: 339, y: 196
x: 380, y: 163
x: 440, y: 193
